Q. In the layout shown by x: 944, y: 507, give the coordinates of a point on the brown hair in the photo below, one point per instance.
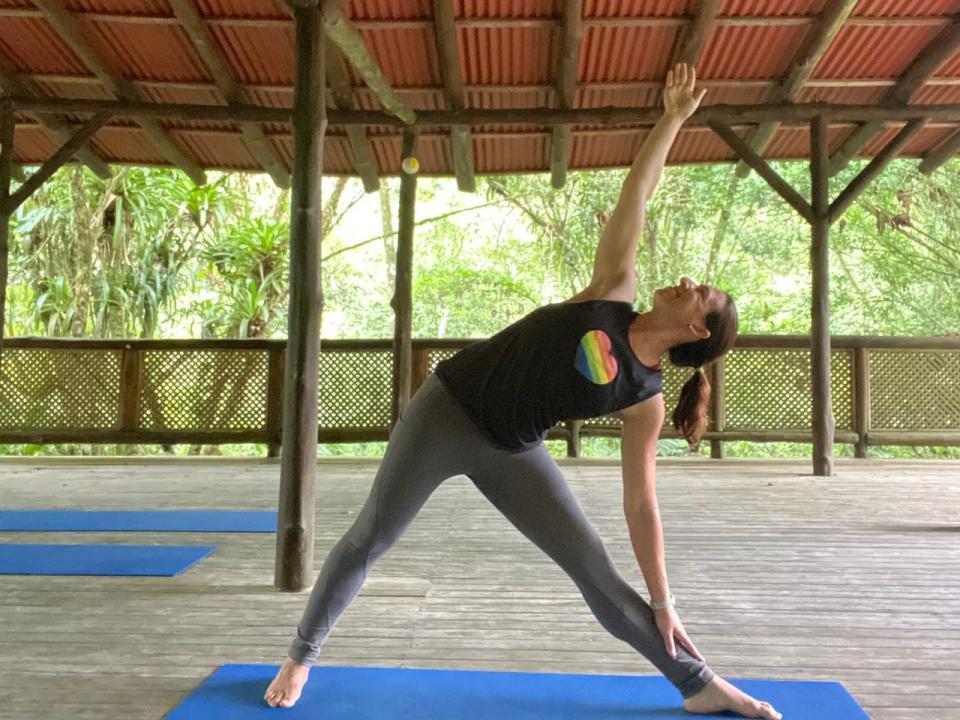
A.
x: 690, y: 414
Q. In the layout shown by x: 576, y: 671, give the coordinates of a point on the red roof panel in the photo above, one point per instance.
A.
x: 874, y: 52
x: 748, y: 52
x: 506, y: 55
x: 508, y: 58
x: 625, y: 53
x: 31, y: 45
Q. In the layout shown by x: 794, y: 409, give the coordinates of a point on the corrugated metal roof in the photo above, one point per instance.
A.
x: 508, y: 59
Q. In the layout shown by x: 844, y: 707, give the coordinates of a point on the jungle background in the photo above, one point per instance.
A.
x: 146, y: 254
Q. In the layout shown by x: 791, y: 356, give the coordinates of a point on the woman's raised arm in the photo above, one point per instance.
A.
x: 615, y: 259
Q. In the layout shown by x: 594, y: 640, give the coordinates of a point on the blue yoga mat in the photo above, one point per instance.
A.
x: 138, y: 520
x: 348, y: 693
x: 153, y: 560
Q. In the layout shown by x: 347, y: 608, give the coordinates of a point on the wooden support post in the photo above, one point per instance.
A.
x: 571, y: 33
x: 573, y: 437
x: 717, y: 405
x: 402, y: 301
x: 55, y: 162
x: 818, y: 39
x: 873, y: 168
x: 131, y: 378
x: 7, y: 126
x: 861, y: 399
x: 275, y: 401
x: 781, y: 186
x: 823, y: 422
x: 419, y: 372
x: 295, y: 518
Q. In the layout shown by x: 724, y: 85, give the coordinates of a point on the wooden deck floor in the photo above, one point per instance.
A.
x: 854, y: 578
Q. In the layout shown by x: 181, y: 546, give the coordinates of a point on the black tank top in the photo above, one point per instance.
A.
x: 562, y: 361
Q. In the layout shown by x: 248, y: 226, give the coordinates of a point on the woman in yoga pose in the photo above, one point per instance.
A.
x: 485, y: 411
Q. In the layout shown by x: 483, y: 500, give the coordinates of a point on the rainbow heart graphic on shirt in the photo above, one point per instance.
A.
x: 594, y: 360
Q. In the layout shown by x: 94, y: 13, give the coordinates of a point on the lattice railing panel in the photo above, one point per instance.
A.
x: 914, y: 389
x: 204, y: 390
x: 355, y: 388
x: 770, y: 389
x: 59, y: 389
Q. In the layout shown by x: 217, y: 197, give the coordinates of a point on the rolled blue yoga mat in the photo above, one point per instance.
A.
x: 349, y: 693
x: 149, y: 560
x: 239, y: 521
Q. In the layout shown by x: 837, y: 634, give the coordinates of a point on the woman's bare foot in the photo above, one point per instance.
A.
x: 286, y: 687
x: 719, y: 695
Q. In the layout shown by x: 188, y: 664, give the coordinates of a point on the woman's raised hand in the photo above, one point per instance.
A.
x: 680, y: 96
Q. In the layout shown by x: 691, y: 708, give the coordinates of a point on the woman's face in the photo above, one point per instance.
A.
x: 687, y: 300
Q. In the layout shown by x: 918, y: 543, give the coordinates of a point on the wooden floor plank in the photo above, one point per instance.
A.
x: 779, y: 574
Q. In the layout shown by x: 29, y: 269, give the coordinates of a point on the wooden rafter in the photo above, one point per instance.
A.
x: 752, y: 158
x: 874, y: 168
x: 698, y: 31
x: 943, y: 47
x: 648, y: 21
x: 12, y: 85
x: 938, y: 155
x: 448, y: 49
x: 815, y: 44
x: 362, y: 154
x: 203, y: 42
x: 55, y: 162
x: 67, y: 27
x: 605, y: 116
x: 571, y: 34
x: 350, y: 42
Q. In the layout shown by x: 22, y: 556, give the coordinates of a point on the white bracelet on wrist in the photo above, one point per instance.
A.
x: 669, y: 602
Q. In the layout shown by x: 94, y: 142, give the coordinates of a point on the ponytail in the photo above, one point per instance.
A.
x: 690, y: 415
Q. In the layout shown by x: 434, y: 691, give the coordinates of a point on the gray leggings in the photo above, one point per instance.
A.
x: 433, y: 440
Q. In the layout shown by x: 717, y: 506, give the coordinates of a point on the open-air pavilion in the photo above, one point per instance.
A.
x: 835, y: 575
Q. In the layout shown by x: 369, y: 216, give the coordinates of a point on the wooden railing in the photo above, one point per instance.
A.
x: 886, y: 391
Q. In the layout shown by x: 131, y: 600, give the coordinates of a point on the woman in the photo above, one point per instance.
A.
x: 484, y: 413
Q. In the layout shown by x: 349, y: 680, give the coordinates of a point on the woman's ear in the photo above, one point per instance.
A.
x: 700, y: 331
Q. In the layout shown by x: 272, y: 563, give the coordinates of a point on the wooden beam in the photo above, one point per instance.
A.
x: 823, y: 421
x: 461, y: 144
x: 203, y: 42
x: 603, y: 116
x: 571, y: 34
x: 362, y: 154
x: 782, y: 187
x: 938, y: 155
x: 698, y: 31
x: 402, y: 301
x: 67, y: 27
x: 295, y: 516
x: 817, y: 41
x: 350, y: 42
x: 874, y: 168
x: 55, y: 162
x: 7, y: 127
x: 12, y: 85
x: 943, y: 47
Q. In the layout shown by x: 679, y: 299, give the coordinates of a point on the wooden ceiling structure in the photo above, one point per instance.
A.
x: 309, y: 87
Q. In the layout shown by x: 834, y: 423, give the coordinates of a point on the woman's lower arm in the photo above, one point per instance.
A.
x: 646, y: 536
